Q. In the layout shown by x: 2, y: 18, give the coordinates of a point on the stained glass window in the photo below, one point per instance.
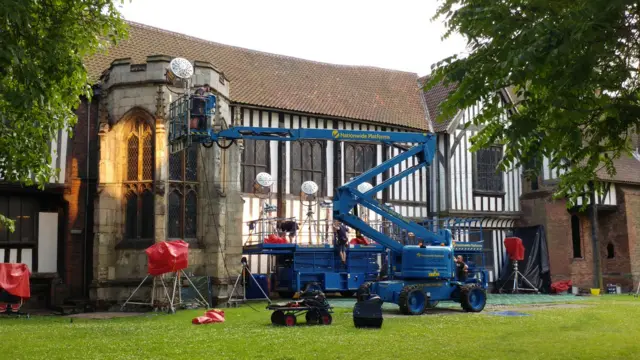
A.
x: 139, y: 199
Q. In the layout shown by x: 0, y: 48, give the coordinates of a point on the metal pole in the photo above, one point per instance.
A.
x: 597, y: 273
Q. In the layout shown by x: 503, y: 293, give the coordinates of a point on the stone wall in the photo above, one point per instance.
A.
x: 139, y: 92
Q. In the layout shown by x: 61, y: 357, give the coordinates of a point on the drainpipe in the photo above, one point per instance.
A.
x: 597, y: 273
x: 85, y: 287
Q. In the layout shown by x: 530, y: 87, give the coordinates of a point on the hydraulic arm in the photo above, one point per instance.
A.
x: 349, y: 195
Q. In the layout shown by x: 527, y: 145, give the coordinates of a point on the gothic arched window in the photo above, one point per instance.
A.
x: 182, y: 208
x: 139, y: 198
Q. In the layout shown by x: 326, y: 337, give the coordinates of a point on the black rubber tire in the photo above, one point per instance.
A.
x: 403, y: 300
x: 465, y: 293
x: 347, y: 293
x: 368, y: 323
x: 277, y: 318
x: 312, y: 317
x: 364, y: 291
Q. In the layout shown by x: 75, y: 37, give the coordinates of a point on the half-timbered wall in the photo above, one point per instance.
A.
x: 467, y: 181
x: 35, y: 239
x: 328, y: 164
x: 466, y: 184
x: 58, y: 151
x: 606, y: 197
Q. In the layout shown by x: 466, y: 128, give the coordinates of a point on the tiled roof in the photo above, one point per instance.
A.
x: 282, y: 82
x: 627, y: 170
x: 433, y: 98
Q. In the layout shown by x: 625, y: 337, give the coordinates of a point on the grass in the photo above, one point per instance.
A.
x: 606, y: 327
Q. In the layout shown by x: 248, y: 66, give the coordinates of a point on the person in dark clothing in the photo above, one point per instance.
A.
x: 289, y: 227
x: 340, y: 239
x: 461, y: 268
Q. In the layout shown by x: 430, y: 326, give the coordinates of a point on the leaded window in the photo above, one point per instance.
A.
x: 139, y: 198
x: 255, y: 159
x: 23, y: 211
x: 487, y: 177
x: 307, y: 163
x: 358, y: 158
x: 182, y: 208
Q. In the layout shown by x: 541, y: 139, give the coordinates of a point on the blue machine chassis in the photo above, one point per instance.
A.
x: 299, y: 267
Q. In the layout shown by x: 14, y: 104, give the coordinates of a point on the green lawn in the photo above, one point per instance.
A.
x: 605, y: 327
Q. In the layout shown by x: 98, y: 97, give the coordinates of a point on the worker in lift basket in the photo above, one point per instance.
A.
x: 461, y: 268
x: 341, y: 238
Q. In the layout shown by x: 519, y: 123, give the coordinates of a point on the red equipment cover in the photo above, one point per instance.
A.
x: 514, y: 247
x: 273, y: 239
x: 14, y: 278
x: 359, y: 241
x: 167, y: 256
x: 211, y: 316
x: 561, y: 286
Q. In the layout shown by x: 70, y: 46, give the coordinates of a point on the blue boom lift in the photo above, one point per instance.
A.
x: 420, y: 274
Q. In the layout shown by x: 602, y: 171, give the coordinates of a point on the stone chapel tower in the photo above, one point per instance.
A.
x: 147, y: 195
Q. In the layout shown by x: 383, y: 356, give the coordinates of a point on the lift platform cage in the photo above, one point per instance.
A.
x: 468, y: 241
x: 190, y: 118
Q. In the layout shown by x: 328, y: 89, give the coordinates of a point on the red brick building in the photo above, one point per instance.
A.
x: 569, y: 231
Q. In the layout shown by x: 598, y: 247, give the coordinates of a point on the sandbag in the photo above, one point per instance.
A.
x: 210, y: 316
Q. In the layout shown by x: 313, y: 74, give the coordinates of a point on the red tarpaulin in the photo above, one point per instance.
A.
x: 514, y: 247
x: 14, y: 278
x: 561, y: 286
x: 167, y: 256
x: 358, y: 241
x: 273, y: 239
x: 211, y: 316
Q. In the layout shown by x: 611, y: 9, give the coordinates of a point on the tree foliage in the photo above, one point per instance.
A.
x: 42, y: 77
x: 574, y: 67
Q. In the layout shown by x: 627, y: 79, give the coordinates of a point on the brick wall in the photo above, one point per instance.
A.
x: 613, y: 231
x: 77, y: 232
x: 619, y: 228
x: 632, y: 212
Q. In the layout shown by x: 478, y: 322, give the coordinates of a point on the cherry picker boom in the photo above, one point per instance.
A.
x: 420, y: 274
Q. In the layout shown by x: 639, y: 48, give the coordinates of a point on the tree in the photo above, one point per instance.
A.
x: 574, y: 67
x: 42, y: 77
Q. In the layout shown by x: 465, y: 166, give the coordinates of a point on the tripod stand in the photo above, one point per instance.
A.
x: 241, y: 279
x: 515, y: 249
x: 171, y: 299
x: 311, y: 221
x: 515, y: 275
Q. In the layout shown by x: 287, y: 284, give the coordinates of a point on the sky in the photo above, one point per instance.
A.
x: 388, y: 34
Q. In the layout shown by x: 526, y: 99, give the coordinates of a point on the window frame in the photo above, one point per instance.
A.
x: 142, y: 187
x: 250, y: 144
x: 322, y: 186
x: 362, y: 146
x: 576, y: 236
x: 183, y: 187
x: 477, y: 191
